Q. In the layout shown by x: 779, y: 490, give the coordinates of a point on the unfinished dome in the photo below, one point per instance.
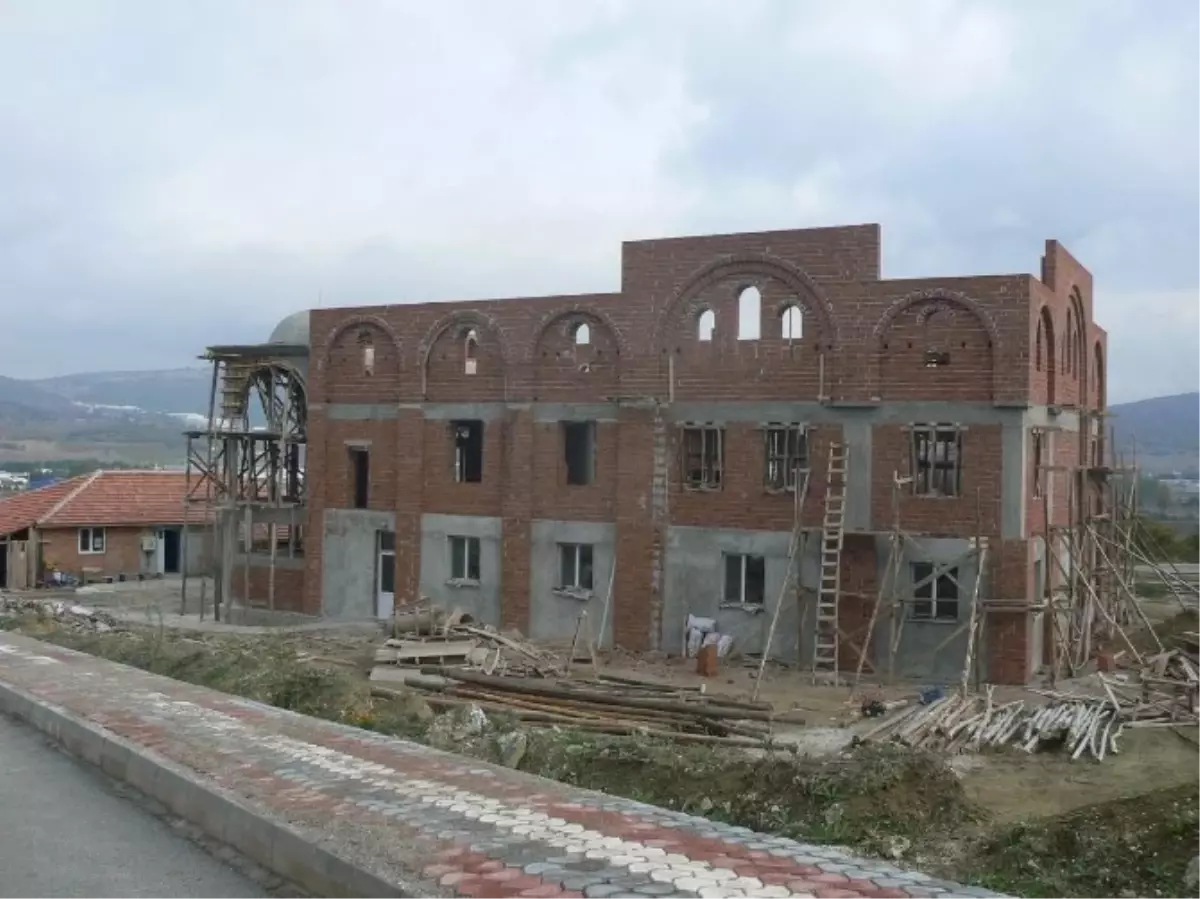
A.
x: 292, y: 330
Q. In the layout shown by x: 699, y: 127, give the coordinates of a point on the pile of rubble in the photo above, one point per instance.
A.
x: 69, y: 613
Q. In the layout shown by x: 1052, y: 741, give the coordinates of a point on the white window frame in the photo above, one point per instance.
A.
x: 91, y: 542
x: 951, y: 575
x: 471, y: 546
x: 740, y: 599
x: 575, y: 551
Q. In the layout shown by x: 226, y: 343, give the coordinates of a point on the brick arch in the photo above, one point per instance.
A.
x: 593, y: 316
x: 1077, y: 352
x: 374, y: 322
x: 562, y: 371
x: 747, y: 267
x: 932, y: 295
x: 1049, y: 355
x: 465, y: 318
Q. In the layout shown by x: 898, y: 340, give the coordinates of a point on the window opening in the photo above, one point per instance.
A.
x: 575, y: 566
x: 464, y: 558
x: 936, y: 599
x: 787, y: 455
x: 579, y: 451
x: 745, y: 579
x: 471, y: 351
x: 702, y: 457
x: 706, y: 325
x: 468, y: 451
x: 792, y: 323
x: 583, y: 334
x: 360, y: 476
x: 91, y: 541
x: 936, y: 451
x: 749, y: 314
x: 1039, y: 475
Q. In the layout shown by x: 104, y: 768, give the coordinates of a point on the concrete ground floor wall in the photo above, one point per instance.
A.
x: 909, y: 644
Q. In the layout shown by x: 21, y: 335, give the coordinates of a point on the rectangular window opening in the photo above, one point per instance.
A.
x: 1039, y: 474
x: 91, y: 541
x: 936, y: 460
x: 787, y: 456
x: 464, y: 558
x: 745, y: 580
x: 703, y: 457
x: 575, y: 566
x: 937, y: 598
x: 387, y: 561
x: 360, y: 477
x: 579, y: 450
x: 468, y: 451
x: 936, y: 359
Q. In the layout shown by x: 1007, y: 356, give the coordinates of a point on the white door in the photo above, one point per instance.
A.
x: 160, y: 557
x: 385, y: 575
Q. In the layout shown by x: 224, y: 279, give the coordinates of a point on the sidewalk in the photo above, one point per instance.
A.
x: 343, y: 810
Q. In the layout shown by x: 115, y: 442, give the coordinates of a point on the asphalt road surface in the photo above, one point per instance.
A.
x: 66, y: 830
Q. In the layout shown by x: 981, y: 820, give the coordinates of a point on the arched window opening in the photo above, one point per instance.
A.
x: 367, y: 348
x: 583, y: 334
x: 1037, y: 348
x: 471, y: 350
x: 792, y: 323
x: 749, y: 314
x: 706, y: 325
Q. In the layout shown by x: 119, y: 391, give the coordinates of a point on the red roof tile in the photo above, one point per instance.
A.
x: 24, y: 509
x: 104, y: 499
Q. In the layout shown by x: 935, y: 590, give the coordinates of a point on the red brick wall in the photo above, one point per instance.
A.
x: 289, y: 587
x: 865, y: 340
x: 122, y: 550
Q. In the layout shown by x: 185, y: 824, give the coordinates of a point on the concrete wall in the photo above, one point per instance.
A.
x: 350, y: 559
x: 482, y: 599
x: 928, y: 650
x: 695, y: 578
x: 553, y: 613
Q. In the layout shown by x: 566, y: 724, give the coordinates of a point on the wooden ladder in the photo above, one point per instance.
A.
x: 833, y: 530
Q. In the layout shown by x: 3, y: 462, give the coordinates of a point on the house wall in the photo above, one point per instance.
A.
x: 122, y: 552
x: 857, y: 376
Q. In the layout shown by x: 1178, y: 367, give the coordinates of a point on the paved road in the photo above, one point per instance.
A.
x: 65, y: 831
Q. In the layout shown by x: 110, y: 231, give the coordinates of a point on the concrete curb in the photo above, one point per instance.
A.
x: 221, y: 816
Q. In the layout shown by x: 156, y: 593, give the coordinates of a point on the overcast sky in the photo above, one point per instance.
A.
x: 180, y: 173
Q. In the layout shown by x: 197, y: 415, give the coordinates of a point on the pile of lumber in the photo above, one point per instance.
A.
x: 970, y: 722
x: 604, y: 704
x: 432, y: 636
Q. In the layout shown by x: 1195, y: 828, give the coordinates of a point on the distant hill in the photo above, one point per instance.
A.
x: 134, y: 417
x: 172, y: 390
x: 1164, y: 431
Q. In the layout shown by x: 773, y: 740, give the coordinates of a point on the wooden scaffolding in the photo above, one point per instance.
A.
x: 245, y: 469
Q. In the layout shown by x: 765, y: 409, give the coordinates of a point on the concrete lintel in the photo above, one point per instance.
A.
x: 552, y: 412
x: 464, y: 411
x: 818, y: 413
x: 362, y: 411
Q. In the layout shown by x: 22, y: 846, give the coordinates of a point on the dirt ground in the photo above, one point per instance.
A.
x: 1011, y: 785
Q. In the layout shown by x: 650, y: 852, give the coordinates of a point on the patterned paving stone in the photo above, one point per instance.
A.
x: 461, y: 828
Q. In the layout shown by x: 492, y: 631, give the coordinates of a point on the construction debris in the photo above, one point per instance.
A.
x: 1165, y: 694
x: 69, y: 613
x: 428, y: 635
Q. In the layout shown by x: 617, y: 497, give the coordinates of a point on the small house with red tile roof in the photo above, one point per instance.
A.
x: 101, y: 526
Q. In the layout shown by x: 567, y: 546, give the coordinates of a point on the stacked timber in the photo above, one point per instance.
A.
x: 603, y: 704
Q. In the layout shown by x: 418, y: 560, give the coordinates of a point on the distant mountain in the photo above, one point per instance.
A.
x: 22, y: 401
x: 172, y: 391
x: 135, y: 417
x: 1163, y: 431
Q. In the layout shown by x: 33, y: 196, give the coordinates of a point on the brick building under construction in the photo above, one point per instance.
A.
x: 754, y: 422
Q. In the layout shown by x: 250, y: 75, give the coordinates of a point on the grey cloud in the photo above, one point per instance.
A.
x: 175, y: 175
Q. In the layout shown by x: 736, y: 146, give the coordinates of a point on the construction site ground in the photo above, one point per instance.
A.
x: 1011, y: 786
